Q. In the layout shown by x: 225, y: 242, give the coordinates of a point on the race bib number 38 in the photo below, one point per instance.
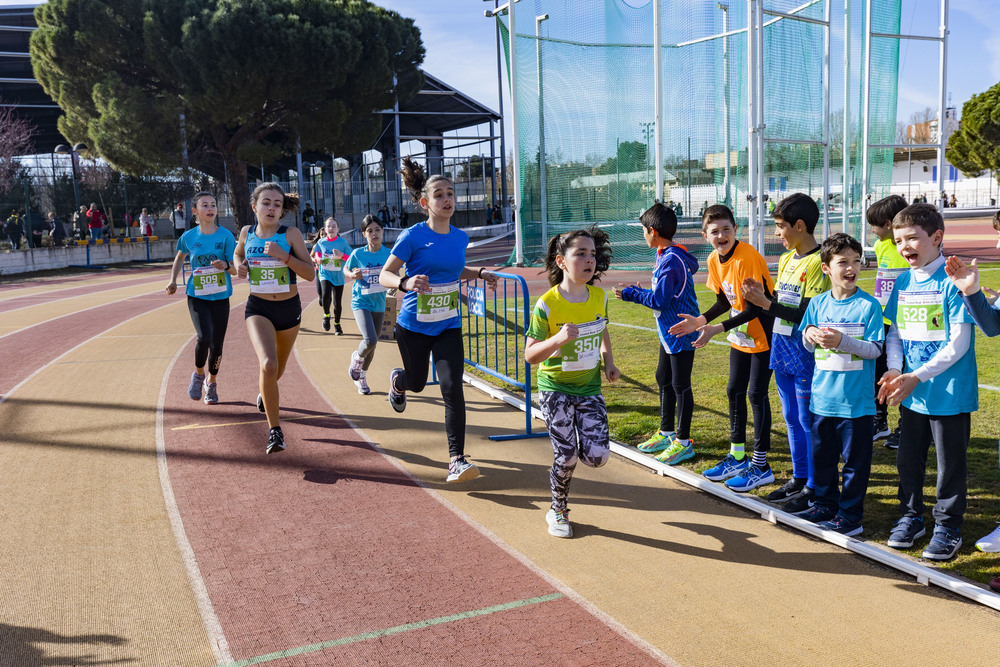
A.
x: 584, y: 353
x: 884, y: 280
x: 438, y: 303
x: 920, y: 316
x: 267, y: 276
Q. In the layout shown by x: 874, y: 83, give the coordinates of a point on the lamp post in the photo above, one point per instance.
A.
x: 541, y: 127
x: 318, y: 195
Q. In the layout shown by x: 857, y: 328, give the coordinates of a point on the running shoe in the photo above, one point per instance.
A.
x: 275, y: 441
x: 211, y: 393
x: 397, y: 399
x: 461, y: 470
x: 841, y: 524
x: 881, y: 428
x: 905, y: 532
x: 801, y: 502
x: 559, y: 523
x: 194, y: 389
x: 354, y: 370
x: 944, y: 544
x: 991, y: 543
x: 892, y: 442
x: 260, y: 403
x: 677, y: 451
x: 362, y: 384
x: 788, y: 490
x: 817, y: 513
x: 728, y: 467
x: 337, y: 331
x: 326, y: 323
x: 751, y: 478
x: 657, y: 443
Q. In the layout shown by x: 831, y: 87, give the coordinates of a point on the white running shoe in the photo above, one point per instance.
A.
x: 559, y: 523
x: 362, y: 384
x: 991, y: 543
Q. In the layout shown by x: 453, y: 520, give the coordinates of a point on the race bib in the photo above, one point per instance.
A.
x: 884, y: 280
x: 793, y: 299
x: 438, y: 302
x: 831, y: 360
x: 738, y: 336
x: 584, y: 353
x: 920, y: 316
x: 369, y: 281
x: 267, y: 275
x: 208, y: 280
x: 332, y: 263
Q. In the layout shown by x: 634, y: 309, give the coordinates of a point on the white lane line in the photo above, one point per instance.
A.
x: 74, y: 312
x: 216, y: 637
x: 67, y: 298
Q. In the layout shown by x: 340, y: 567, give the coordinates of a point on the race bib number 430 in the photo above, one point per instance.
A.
x: 438, y: 302
x: 584, y: 353
x: 267, y: 276
x: 208, y: 280
x: 920, y: 316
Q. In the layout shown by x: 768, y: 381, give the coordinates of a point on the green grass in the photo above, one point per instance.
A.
x: 633, y: 414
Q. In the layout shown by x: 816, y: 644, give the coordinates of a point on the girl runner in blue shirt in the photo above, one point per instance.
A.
x: 433, y: 253
x: 208, y: 290
x: 271, y: 255
x: 367, y: 298
x: 330, y: 252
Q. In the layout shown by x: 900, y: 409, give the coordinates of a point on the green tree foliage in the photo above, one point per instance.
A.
x: 631, y: 157
x: 254, y: 79
x: 975, y: 147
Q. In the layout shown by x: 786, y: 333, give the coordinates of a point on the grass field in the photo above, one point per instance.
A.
x: 633, y: 414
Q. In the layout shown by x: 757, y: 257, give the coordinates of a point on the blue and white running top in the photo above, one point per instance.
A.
x: 268, y: 275
x: 207, y: 282
x: 367, y: 293
x: 440, y: 257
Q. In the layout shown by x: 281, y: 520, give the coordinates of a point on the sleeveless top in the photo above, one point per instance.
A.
x: 254, y: 247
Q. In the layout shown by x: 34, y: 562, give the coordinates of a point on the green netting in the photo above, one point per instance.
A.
x: 585, y: 112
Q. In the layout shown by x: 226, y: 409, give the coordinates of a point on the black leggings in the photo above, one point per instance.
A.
x: 329, y: 292
x: 749, y: 369
x: 673, y: 376
x: 211, y: 319
x: 415, y: 350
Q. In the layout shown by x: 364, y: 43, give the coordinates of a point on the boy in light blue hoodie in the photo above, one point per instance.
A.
x: 671, y: 292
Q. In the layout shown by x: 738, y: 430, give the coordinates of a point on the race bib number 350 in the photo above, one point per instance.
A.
x: 584, y: 353
x: 438, y: 303
x: 267, y: 276
x: 208, y: 280
x: 920, y: 316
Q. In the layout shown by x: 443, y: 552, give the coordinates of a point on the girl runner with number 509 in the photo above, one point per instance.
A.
x: 271, y: 256
x: 433, y: 253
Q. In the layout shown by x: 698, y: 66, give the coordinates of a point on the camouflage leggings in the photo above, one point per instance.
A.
x: 578, y: 426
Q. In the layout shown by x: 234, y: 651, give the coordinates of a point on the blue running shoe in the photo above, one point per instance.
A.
x: 817, y: 513
x: 196, y: 386
x: 728, y: 467
x: 906, y: 530
x: 944, y: 544
x: 841, y: 524
x: 751, y: 478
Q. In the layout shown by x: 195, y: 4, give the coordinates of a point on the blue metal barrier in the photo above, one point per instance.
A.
x: 490, y: 333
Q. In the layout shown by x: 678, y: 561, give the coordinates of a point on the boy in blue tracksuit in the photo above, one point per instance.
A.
x: 672, y: 292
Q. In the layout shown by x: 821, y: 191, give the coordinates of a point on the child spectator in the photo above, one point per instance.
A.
x: 979, y: 303
x: 932, y: 340
x: 729, y: 265
x: 800, y: 277
x: 568, y: 337
x: 671, y: 292
x: 890, y: 266
x: 843, y: 328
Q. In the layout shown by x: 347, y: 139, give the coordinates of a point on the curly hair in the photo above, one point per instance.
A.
x: 560, y: 245
x: 416, y: 179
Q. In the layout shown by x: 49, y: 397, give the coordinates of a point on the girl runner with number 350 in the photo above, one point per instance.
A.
x: 272, y: 255
x: 434, y: 255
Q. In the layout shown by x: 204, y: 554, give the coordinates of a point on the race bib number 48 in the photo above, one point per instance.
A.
x: 208, y: 280
x: 438, y: 303
x: 584, y: 353
x: 267, y: 276
x: 920, y: 316
x: 369, y: 281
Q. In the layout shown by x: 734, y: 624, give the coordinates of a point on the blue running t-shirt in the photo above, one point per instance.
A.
x: 440, y: 257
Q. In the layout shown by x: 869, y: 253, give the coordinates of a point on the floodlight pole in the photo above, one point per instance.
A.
x: 658, y: 104
x: 725, y: 101
x: 942, y: 101
x: 541, y: 127
x: 866, y: 93
x: 828, y: 38
x: 846, y: 164
x: 518, y: 219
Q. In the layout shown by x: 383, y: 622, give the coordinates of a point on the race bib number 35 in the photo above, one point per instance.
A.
x: 438, y: 303
x: 584, y: 353
x: 208, y: 280
x: 267, y: 276
x: 920, y: 316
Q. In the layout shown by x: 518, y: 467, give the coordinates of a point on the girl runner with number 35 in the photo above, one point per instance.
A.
x: 433, y: 253
x: 208, y: 290
x: 272, y: 255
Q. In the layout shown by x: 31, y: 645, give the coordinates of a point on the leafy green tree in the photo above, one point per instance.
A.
x: 254, y: 80
x: 631, y: 157
x: 975, y: 146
